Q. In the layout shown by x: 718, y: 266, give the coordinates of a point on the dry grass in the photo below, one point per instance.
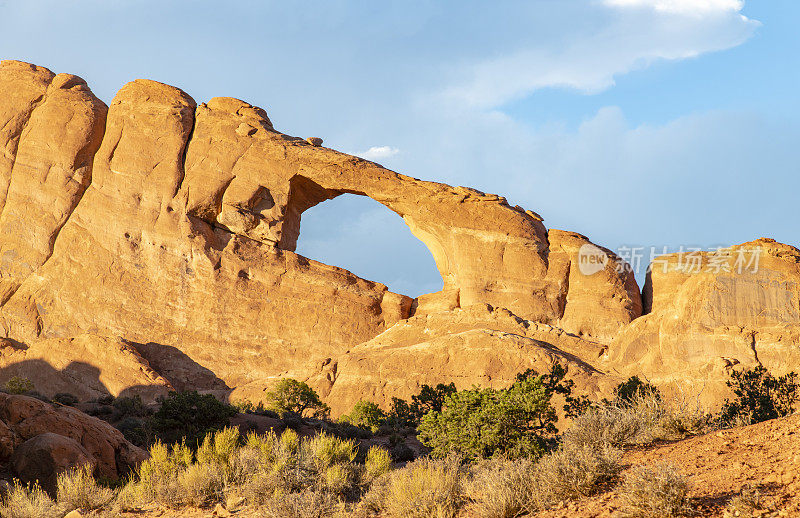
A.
x: 501, y: 488
x: 378, y: 462
x: 426, y: 488
x: 77, y: 489
x: 746, y: 504
x: 573, y: 471
x: 645, y: 419
x: 24, y: 502
x: 306, y: 504
x: 654, y: 492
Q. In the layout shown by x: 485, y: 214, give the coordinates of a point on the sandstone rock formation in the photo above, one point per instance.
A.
x: 711, y: 311
x: 159, y: 235
x: 23, y: 419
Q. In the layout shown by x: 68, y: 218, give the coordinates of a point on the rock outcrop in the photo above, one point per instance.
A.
x: 159, y: 235
x: 24, y: 420
x: 709, y: 312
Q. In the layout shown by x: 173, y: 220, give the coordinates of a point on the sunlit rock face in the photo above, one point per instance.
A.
x: 159, y: 234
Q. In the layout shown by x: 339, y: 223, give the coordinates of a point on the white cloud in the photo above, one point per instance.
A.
x: 682, y: 6
x: 378, y: 152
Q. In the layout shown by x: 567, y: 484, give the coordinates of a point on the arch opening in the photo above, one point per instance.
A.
x: 365, y: 237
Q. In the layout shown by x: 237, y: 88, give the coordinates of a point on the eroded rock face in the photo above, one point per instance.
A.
x: 480, y: 346
x: 711, y: 312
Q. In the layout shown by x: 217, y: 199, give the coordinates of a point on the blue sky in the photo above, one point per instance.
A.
x: 635, y: 122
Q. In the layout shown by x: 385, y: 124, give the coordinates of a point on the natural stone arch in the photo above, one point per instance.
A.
x: 365, y: 237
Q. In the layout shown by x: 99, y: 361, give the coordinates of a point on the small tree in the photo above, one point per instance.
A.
x: 292, y: 396
x: 479, y: 423
x: 760, y: 396
x: 429, y: 399
x: 190, y: 416
x: 365, y: 414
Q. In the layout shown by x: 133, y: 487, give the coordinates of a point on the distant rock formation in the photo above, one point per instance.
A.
x: 170, y: 228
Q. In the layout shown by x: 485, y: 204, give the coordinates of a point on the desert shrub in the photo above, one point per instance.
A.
x: 378, y: 462
x: 365, y: 414
x: 78, y: 489
x: 760, y: 396
x: 655, y: 492
x: 400, y: 414
x: 305, y: 504
x: 501, y: 487
x: 19, y: 385
x: 479, y: 423
x: 201, y: 483
x: 426, y: 488
x: 27, y: 502
x: 346, y: 430
x: 573, y: 471
x: 430, y: 399
x: 134, y: 429
x: 130, y: 406
x: 409, y: 414
x: 219, y: 447
x: 290, y: 396
x: 189, y: 416
x: 555, y: 382
x: 247, y: 407
x: 633, y: 388
x: 328, y: 450
x: 400, y: 452
x: 65, y: 398
x: 106, y: 399
x: 746, y: 504
x: 157, y: 475
x: 645, y: 418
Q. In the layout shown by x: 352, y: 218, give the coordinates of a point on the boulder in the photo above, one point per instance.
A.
x: 23, y: 418
x: 41, y: 458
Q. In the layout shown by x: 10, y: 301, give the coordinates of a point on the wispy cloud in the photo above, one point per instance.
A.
x: 638, y: 33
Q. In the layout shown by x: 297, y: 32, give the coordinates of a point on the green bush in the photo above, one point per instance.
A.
x: 479, y: 423
x: 290, y: 396
x: 130, y: 406
x: 189, y: 416
x: 19, y: 385
x: 134, y: 429
x: 400, y: 414
x: 365, y: 414
x: 760, y: 396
